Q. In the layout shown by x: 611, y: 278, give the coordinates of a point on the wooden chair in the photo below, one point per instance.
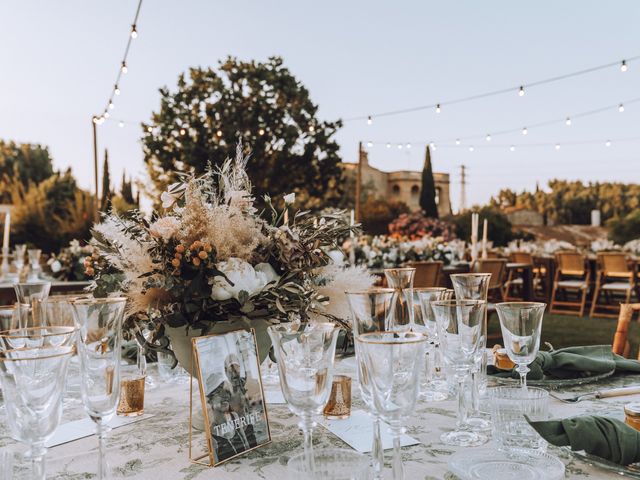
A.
x: 572, y: 276
x: 515, y: 281
x: 614, y: 275
x: 427, y: 274
x: 621, y: 344
x: 497, y: 268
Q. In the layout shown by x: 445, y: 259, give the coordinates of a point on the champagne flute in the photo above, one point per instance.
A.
x: 521, y: 324
x: 100, y: 321
x: 401, y: 281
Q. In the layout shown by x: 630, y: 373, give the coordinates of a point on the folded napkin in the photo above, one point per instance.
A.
x: 603, y: 437
x: 574, y: 362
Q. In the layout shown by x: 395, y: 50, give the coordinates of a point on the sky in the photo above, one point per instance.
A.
x: 59, y: 61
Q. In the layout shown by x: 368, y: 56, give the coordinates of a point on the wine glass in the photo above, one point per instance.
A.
x: 19, y: 251
x: 521, y: 323
x: 34, y: 261
x: 370, y: 312
x: 8, y: 317
x: 475, y: 286
x: 29, y: 291
x: 394, y: 361
x: 32, y: 379
x: 305, y: 354
x: 100, y: 322
x: 460, y: 331
x: 401, y: 281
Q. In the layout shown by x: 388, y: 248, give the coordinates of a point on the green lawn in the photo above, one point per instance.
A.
x: 565, y: 331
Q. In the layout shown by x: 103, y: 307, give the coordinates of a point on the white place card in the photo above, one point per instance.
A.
x: 68, y: 432
x: 357, y: 431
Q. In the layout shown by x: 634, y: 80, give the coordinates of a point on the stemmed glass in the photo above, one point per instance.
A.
x: 100, y: 322
x: 370, y: 312
x: 32, y: 379
x: 29, y: 291
x: 305, y: 354
x: 34, y: 261
x: 460, y: 332
x: 20, y: 250
x: 475, y: 286
x: 401, y: 281
x: 394, y: 361
x: 521, y: 323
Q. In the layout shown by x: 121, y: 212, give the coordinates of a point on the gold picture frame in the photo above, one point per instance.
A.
x: 243, y: 431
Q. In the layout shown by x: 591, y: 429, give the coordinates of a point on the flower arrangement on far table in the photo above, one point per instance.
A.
x: 416, y: 226
x: 210, y: 257
x: 72, y: 262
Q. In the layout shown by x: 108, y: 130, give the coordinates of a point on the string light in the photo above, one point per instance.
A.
x: 568, y: 122
x: 399, y: 146
x: 438, y: 109
x: 388, y: 145
x: 457, y: 141
x: 623, y: 66
x: 121, y: 124
x: 512, y: 148
x: 111, y: 106
x: 408, y: 146
x: 435, y: 147
x: 369, y: 144
x: 621, y: 108
x: 557, y: 146
x: 369, y: 120
x: 106, y: 115
x: 607, y: 143
x: 488, y: 138
x: 525, y: 131
x: 471, y: 148
x: 116, y: 90
x: 521, y: 91
x: 123, y: 67
x: 134, y: 32
x: 432, y: 144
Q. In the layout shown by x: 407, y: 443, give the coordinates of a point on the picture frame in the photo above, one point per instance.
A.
x: 234, y: 409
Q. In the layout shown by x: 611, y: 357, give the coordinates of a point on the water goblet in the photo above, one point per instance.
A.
x: 99, y: 340
x: 32, y: 380
x: 475, y: 286
x: 401, y: 281
x: 521, y: 323
x: 394, y: 363
x: 34, y: 262
x: 371, y: 311
x: 305, y: 354
x: 8, y: 317
x: 19, y: 251
x: 29, y: 291
x: 460, y: 331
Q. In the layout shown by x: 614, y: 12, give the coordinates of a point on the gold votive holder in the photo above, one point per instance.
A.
x: 131, y: 402
x: 632, y: 415
x: 339, y: 405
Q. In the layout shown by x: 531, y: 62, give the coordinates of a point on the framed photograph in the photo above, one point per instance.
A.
x: 233, y: 405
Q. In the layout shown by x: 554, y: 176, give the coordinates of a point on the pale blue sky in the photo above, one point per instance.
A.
x: 60, y: 58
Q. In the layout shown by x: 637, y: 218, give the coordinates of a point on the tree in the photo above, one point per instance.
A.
x: 377, y: 213
x: 428, y: 189
x: 126, y: 190
x: 29, y: 162
x: 499, y: 227
x: 263, y: 105
x: 105, y: 201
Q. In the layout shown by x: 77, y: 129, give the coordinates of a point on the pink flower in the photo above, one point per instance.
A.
x: 164, y: 228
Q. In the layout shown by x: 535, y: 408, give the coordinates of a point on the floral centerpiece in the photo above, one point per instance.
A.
x: 70, y: 263
x: 209, y: 262
x: 416, y: 226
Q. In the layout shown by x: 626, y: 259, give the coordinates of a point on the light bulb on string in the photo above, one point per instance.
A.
x: 432, y: 144
x: 623, y: 66
x: 408, y: 146
x: 471, y: 148
x: 121, y: 124
x: 96, y: 120
x: 434, y: 147
x: 525, y: 131
x: 457, y: 141
x: 607, y: 143
x: 388, y: 145
x: 369, y: 120
x: 399, y: 146
x: 106, y: 115
x: 512, y: 148
x: 438, y: 109
x: 488, y: 137
x: 369, y: 144
x: 557, y: 146
x: 568, y: 122
x: 111, y: 106
x: 134, y: 32
x: 521, y: 91
x: 116, y: 90
x: 621, y: 108
x: 123, y: 67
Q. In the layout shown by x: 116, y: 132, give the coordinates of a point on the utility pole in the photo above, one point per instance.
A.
x: 358, y: 181
x: 94, y: 124
x: 463, y: 189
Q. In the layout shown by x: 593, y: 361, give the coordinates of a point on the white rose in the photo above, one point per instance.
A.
x: 266, y: 273
x: 56, y: 266
x: 290, y: 198
x: 243, y: 277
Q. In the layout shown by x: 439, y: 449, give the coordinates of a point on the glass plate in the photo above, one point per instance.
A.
x: 555, y: 382
x: 631, y: 471
x: 490, y: 464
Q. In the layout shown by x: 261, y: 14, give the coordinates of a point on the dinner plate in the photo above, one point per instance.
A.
x: 555, y: 382
x: 490, y: 464
x: 631, y: 471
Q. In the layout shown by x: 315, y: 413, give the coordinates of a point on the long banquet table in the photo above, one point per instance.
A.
x: 157, y: 448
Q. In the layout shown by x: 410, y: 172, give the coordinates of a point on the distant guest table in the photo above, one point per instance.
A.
x: 157, y: 448
x: 8, y: 296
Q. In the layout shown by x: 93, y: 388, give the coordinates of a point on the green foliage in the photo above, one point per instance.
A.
x: 105, y: 201
x: 500, y: 232
x: 624, y: 229
x: 264, y: 105
x: 428, y: 189
x: 571, y: 202
x: 377, y: 213
x: 26, y: 162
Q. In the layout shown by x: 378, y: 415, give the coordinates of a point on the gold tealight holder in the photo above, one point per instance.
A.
x: 339, y: 405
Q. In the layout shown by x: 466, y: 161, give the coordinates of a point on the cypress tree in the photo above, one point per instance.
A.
x: 428, y: 189
x: 105, y: 202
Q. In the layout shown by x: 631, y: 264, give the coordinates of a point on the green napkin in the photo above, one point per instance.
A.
x: 574, y: 362
x: 603, y: 437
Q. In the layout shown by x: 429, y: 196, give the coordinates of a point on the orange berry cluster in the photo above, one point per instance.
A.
x: 89, y: 264
x: 196, y: 253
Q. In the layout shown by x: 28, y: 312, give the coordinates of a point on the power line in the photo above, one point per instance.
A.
x: 519, y: 89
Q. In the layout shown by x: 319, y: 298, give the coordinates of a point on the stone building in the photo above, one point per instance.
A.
x: 401, y: 185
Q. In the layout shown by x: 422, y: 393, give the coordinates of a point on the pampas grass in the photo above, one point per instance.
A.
x: 334, y: 281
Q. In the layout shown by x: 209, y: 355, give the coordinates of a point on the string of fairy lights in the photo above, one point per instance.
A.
x: 122, y: 70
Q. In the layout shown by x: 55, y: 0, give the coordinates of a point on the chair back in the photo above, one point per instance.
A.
x: 521, y: 257
x: 614, y: 264
x: 495, y: 266
x: 621, y: 344
x: 570, y: 263
x: 427, y: 274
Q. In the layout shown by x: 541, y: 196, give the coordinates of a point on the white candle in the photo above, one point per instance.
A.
x: 484, y: 232
x: 7, y: 228
x: 352, y: 221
